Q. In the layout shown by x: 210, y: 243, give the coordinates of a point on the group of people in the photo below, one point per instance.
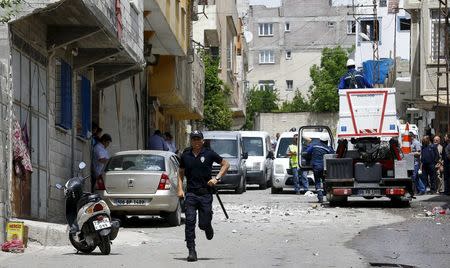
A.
x: 431, y: 163
x: 314, y: 151
x: 162, y: 143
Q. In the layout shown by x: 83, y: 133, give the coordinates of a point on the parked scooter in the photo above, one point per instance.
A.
x: 88, y: 216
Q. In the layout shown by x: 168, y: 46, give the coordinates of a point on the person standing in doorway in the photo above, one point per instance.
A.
x: 101, y: 158
x: 196, y: 163
x: 292, y: 152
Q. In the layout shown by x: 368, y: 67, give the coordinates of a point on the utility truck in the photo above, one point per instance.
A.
x: 368, y: 161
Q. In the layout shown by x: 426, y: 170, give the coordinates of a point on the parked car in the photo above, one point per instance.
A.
x: 228, y: 144
x: 281, y: 179
x: 143, y: 182
x: 259, y: 164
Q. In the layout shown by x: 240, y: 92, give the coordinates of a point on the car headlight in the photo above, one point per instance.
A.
x: 233, y: 168
x: 279, y: 169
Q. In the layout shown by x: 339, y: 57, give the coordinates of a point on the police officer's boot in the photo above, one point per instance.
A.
x: 192, y: 255
x: 209, y: 232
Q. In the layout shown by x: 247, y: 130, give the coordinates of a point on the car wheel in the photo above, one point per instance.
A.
x: 269, y: 179
x: 174, y: 218
x: 263, y: 185
x: 274, y: 190
x: 241, y: 188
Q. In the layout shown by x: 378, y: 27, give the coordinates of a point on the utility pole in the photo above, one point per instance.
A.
x: 443, y: 59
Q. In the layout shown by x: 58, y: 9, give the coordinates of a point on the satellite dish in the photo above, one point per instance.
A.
x: 248, y: 36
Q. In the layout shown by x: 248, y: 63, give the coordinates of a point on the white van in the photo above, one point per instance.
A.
x: 260, y: 157
x: 281, y: 179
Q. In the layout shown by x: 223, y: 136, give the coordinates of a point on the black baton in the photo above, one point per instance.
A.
x: 220, y: 202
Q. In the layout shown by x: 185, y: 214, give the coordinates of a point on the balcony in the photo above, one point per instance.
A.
x: 166, y: 26
x: 99, y: 34
x: 179, y: 86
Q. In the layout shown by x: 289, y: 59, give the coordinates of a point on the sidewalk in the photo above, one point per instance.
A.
x: 46, y: 234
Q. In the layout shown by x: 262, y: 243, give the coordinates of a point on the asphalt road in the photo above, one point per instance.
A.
x: 265, y: 230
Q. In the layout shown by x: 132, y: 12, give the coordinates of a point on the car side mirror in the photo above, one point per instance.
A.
x: 245, y: 155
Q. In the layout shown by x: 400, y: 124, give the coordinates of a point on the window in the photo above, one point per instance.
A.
x: 64, y: 95
x: 266, y: 56
x: 265, y: 29
x: 289, y: 85
x: 383, y: 3
x: 224, y: 148
x: 287, y: 27
x: 266, y: 84
x: 435, y: 35
x: 139, y: 162
x: 404, y: 24
x: 288, y: 55
x: 330, y: 24
x: 253, y: 146
x: 367, y: 28
x: 351, y: 27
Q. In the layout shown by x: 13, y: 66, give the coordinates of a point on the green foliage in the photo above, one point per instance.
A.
x: 298, y: 104
x: 259, y: 101
x: 217, y: 113
x: 9, y: 8
x: 324, y: 97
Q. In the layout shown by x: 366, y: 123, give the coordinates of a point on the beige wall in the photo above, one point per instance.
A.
x: 280, y: 122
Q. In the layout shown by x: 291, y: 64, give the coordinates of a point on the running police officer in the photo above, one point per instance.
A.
x: 196, y: 163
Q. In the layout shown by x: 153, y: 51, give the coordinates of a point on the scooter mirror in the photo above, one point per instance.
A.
x: 58, y: 186
x: 82, y: 165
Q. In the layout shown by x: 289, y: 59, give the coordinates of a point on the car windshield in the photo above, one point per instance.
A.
x: 283, y: 145
x: 225, y: 148
x: 140, y: 162
x: 253, y: 146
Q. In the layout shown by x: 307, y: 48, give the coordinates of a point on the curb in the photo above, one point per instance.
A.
x: 47, y: 234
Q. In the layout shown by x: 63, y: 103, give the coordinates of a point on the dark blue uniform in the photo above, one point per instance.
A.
x: 354, y: 79
x: 198, y: 194
x: 317, y: 150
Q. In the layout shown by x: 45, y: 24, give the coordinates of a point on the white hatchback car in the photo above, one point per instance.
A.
x: 143, y: 182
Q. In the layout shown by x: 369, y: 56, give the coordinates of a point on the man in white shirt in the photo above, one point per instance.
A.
x: 101, y: 157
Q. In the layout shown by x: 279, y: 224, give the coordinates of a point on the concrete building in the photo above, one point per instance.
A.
x: 424, y: 106
x: 220, y: 30
x: 63, y: 57
x: 393, y: 24
x: 175, y: 72
x: 287, y: 39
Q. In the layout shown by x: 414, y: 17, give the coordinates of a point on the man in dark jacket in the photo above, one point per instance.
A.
x: 317, y: 149
x: 353, y: 78
x: 429, y: 158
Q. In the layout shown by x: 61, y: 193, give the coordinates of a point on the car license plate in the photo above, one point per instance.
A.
x: 132, y: 202
x: 98, y: 225
x: 369, y: 192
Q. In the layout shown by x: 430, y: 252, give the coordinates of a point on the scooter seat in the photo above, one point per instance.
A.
x: 87, y: 198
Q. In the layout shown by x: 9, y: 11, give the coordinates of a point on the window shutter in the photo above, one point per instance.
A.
x: 85, y: 106
x: 66, y: 95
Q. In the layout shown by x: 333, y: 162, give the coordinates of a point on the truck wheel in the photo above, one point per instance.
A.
x: 400, y: 202
x: 274, y: 190
x: 336, y: 200
x: 241, y: 188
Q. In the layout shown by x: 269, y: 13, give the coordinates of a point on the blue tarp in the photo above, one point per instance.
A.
x: 377, y: 71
